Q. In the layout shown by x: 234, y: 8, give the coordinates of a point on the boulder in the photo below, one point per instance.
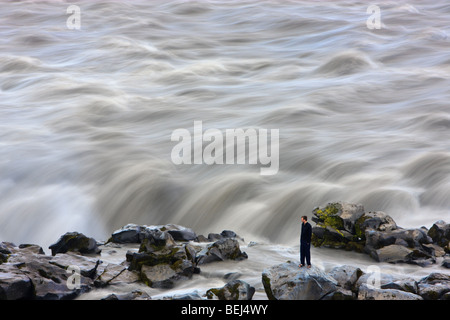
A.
x: 75, y: 242
x: 435, y: 286
x: 88, y: 266
x: 225, y: 249
x: 134, y: 295
x: 339, y: 215
x: 49, y: 281
x: 287, y: 281
x: 377, y: 220
x: 180, y: 233
x: 340, y: 294
x: 400, y: 245
x: 393, y: 253
x: 233, y: 290
x: 161, y: 262
x: 336, y: 226
x: 408, y: 285
x: 127, y: 234
x: 367, y: 292
x: 446, y: 263
x: 14, y: 284
x: 165, y: 275
x: 114, y: 274
x: 133, y: 233
x: 346, y: 276
x: 346, y: 226
x: 440, y: 233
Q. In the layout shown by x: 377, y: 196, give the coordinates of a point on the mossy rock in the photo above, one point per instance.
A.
x: 233, y: 290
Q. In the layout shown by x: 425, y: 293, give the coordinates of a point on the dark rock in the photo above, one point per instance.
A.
x: 225, y: 249
x: 287, y: 281
x: 393, y: 253
x: 14, y: 284
x: 214, y: 237
x: 340, y: 294
x: 367, y: 292
x: 446, y: 263
x: 434, y: 286
x: 346, y: 226
x: 201, y: 238
x: 346, y: 276
x: 154, y: 239
x: 408, y: 285
x: 134, y: 295
x: 75, y: 242
x: 180, y: 233
x: 50, y: 282
x: 337, y: 226
x: 88, y: 266
x: 127, y: 234
x: 339, y: 215
x: 114, y: 274
x: 161, y: 266
x: 377, y: 220
x: 440, y: 233
x: 233, y: 290
x: 133, y: 233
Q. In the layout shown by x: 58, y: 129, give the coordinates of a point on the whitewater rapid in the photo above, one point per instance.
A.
x: 86, y: 115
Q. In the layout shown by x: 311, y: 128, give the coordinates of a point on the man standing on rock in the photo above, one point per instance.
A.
x: 305, y: 243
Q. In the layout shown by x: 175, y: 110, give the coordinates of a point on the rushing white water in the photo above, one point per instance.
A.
x: 86, y: 115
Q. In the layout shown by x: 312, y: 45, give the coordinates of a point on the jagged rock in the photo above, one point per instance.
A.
x: 440, y: 233
x: 50, y: 282
x: 165, y: 275
x: 346, y: 226
x: 393, y: 253
x: 400, y: 245
x: 408, y: 285
x: 339, y: 215
x: 127, y: 234
x: 114, y: 274
x: 88, y: 266
x: 225, y: 234
x: 75, y: 242
x: 180, y: 233
x: 377, y: 220
x: 287, y: 281
x: 346, y: 276
x: 133, y: 233
x: 32, y: 248
x: 233, y: 290
x: 374, y: 278
x: 434, y: 286
x: 161, y: 262
x: 336, y: 226
x: 225, y: 249
x: 14, y: 284
x: 340, y: 294
x: 367, y: 292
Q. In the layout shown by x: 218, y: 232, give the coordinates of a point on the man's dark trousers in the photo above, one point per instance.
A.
x: 305, y: 252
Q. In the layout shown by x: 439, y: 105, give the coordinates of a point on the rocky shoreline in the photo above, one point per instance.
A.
x: 166, y: 255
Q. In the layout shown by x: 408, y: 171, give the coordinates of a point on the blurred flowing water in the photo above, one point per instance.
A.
x: 86, y: 115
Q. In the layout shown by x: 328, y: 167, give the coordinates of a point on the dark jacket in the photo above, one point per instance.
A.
x: 306, y: 232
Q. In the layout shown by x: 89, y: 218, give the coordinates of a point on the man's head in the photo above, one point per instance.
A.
x: 304, y: 219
